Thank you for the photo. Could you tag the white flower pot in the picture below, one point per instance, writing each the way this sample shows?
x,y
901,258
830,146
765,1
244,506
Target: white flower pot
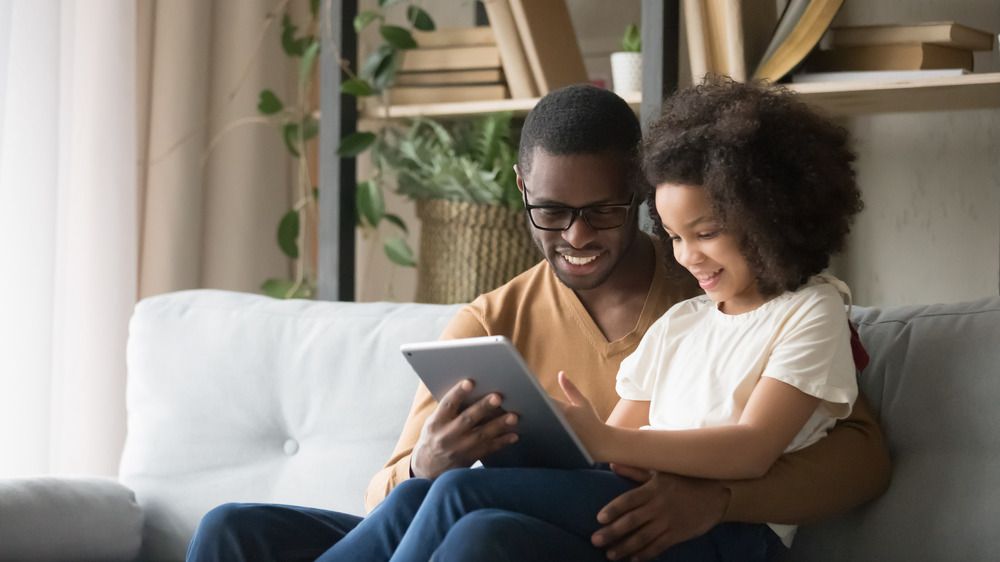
x,y
626,72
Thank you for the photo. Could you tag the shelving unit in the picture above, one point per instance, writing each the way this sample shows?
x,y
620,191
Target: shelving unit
x,y
972,91
660,21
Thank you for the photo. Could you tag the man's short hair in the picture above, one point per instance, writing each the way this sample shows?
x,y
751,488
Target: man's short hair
x,y
579,119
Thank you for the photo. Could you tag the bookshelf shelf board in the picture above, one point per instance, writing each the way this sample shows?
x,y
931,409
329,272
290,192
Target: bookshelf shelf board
x,y
971,91
520,107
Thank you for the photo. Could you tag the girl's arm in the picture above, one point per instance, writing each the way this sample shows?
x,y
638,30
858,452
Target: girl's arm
x,y
774,414
629,414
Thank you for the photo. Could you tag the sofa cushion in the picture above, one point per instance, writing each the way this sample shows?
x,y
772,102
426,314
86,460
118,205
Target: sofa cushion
x,y
934,378
239,397
68,520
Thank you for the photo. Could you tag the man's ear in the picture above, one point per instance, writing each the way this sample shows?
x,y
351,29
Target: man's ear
x,y
520,180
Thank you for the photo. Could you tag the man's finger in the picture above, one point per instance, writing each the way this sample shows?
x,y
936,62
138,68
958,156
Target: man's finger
x,y
640,539
451,402
625,503
640,475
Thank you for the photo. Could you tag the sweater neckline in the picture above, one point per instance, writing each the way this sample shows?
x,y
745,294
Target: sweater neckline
x,y
588,326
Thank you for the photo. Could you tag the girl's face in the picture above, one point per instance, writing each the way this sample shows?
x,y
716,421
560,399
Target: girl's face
x,y
703,247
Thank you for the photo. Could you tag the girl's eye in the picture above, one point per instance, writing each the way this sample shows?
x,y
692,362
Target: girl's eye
x,y
708,235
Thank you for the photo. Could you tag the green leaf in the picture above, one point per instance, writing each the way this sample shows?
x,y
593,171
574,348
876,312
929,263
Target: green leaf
x,y
288,234
380,68
316,193
386,3
356,87
269,103
290,132
632,39
314,8
355,143
399,252
419,18
370,202
310,128
308,58
398,37
277,288
291,47
394,219
362,20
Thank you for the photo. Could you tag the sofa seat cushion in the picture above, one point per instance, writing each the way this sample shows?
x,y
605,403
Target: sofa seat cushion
x,y
239,397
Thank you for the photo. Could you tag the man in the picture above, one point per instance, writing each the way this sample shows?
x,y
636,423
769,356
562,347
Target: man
x,y
582,310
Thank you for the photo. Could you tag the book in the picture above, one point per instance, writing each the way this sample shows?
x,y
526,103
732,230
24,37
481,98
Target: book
x,y
407,95
455,37
800,27
549,42
450,77
946,33
450,58
876,75
905,56
512,56
727,36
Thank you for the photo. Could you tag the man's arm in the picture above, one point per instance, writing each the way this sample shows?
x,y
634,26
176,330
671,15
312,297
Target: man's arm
x,y
837,473
465,324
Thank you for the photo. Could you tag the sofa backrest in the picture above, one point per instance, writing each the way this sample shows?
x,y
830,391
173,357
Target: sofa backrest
x,y
239,397
934,379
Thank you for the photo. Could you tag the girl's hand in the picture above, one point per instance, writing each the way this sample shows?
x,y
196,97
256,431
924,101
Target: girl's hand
x,y
580,414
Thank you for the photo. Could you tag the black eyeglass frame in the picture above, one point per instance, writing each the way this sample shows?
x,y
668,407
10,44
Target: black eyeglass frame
x,y
575,212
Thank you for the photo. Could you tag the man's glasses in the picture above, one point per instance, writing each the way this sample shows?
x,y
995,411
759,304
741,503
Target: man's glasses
x,y
561,217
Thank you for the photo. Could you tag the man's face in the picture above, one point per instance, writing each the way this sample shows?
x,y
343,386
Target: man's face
x,y
583,258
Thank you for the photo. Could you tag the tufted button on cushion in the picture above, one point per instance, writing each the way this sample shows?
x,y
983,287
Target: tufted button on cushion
x,y
291,447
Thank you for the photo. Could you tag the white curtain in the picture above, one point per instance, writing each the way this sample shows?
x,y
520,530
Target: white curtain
x,y
67,232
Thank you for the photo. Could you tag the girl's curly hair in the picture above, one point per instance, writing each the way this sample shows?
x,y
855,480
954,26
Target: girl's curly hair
x,y
779,176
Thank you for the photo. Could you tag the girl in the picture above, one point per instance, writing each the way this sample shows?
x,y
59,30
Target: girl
x,y
754,193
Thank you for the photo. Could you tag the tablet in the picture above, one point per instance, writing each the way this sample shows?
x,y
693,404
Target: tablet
x,y
546,439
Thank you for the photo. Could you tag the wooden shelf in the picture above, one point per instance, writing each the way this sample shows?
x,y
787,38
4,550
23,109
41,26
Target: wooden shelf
x,y
520,107
972,91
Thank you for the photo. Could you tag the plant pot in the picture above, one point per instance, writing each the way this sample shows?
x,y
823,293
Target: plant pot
x,y
468,249
626,72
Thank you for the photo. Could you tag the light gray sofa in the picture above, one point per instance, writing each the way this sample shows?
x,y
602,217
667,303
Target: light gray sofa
x,y
237,397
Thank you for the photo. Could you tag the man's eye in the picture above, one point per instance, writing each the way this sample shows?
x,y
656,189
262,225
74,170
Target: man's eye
x,y
604,210
550,211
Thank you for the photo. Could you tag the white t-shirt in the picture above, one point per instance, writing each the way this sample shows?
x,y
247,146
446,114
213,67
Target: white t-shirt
x,y
698,366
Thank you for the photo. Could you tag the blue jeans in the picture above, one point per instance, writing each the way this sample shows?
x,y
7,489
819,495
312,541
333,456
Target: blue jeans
x,y
518,514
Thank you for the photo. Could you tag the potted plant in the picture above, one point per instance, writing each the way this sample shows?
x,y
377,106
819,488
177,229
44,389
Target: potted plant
x,y
626,65
461,176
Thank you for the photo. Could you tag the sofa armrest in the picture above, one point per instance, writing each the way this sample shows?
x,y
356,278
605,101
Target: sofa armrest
x,y
68,519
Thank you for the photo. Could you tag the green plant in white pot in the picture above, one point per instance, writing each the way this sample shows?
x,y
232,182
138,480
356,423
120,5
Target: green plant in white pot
x,y
461,176
626,65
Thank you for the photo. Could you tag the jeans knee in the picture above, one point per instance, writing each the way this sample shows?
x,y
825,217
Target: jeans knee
x,y
227,516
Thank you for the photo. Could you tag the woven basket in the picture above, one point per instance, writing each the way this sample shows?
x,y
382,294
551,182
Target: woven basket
x,y
468,249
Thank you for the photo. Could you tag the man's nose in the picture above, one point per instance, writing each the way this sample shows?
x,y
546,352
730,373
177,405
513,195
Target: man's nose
x,y
579,234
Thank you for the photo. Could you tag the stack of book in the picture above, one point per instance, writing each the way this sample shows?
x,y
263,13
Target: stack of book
x,y
450,65
896,52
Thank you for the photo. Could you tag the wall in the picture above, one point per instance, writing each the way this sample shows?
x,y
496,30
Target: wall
x,y
931,183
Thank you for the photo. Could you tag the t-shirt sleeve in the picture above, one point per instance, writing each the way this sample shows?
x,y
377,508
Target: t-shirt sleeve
x,y
813,352
637,372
